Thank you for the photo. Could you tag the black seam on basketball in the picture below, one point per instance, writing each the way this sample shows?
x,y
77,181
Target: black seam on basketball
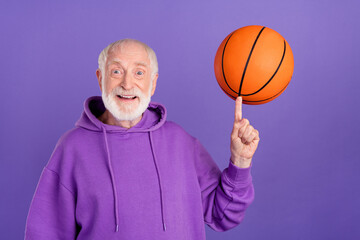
x,y
269,97
227,93
247,62
222,64
272,75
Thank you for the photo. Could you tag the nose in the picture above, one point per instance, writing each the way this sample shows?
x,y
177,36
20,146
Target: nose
x,y
127,82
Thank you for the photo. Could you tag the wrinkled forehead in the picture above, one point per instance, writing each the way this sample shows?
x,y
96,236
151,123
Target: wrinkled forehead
x,y
121,62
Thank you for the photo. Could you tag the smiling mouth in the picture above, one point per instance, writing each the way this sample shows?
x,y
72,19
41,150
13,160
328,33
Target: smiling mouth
x,y
124,97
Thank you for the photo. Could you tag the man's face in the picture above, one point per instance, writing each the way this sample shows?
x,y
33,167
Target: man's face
x,y
126,84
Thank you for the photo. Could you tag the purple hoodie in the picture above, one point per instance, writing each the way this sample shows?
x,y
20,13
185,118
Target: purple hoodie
x,y
152,181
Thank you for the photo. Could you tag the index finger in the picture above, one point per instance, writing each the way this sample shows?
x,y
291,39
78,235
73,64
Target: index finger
x,y
238,109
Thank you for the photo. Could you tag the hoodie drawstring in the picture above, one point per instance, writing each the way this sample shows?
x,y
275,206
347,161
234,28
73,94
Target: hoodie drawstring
x,y
159,179
154,118
113,182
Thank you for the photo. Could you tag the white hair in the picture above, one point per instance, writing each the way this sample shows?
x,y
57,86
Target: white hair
x,y
151,55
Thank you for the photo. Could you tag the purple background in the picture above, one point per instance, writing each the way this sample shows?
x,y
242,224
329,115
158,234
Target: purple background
x,y
306,169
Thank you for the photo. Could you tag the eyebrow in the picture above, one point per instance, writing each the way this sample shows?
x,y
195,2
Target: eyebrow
x,y
137,63
141,64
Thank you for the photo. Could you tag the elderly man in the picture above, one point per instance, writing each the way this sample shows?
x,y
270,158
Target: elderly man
x,y
125,172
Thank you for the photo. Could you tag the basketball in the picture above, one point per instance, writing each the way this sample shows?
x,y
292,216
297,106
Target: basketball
x,y
254,62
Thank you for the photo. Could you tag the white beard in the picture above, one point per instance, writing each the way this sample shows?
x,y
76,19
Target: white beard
x,y
126,111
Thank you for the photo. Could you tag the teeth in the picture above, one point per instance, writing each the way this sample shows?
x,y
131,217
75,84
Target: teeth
x,y
127,96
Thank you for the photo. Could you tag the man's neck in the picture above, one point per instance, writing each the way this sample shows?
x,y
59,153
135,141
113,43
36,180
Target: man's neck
x,y
109,119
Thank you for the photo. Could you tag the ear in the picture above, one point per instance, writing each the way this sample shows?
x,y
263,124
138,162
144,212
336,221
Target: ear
x,y
154,84
99,77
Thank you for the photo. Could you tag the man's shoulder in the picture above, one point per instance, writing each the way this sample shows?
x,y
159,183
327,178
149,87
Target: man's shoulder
x,y
175,129
173,126
74,136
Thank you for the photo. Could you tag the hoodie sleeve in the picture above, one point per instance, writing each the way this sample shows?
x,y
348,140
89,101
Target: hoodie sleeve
x,y
225,195
52,210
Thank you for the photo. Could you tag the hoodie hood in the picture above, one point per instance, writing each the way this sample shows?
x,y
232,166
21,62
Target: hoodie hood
x,y
153,118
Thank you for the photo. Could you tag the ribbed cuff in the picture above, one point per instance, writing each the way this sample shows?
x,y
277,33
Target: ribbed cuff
x,y
238,175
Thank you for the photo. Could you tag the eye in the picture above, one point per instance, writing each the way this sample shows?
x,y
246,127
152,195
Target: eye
x,y
140,73
117,73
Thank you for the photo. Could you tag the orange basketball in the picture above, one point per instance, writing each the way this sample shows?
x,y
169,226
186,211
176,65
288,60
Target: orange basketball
x,y
254,62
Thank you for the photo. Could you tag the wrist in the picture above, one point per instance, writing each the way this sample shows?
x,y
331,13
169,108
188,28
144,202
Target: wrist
x,y
241,162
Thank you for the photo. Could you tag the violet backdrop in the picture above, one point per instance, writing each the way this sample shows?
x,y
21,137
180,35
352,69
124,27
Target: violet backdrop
x,y
306,169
